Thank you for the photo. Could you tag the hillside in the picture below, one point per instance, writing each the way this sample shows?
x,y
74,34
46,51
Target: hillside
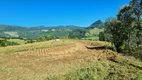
x,y
60,31
66,60
34,32
97,24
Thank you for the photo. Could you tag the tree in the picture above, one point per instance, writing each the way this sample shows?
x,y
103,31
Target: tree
x,y
48,37
78,33
136,6
30,41
126,31
115,29
101,36
3,42
126,18
45,38
41,38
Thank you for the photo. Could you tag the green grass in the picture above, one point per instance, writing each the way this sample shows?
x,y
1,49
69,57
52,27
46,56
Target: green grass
x,y
94,31
94,38
19,41
103,70
140,77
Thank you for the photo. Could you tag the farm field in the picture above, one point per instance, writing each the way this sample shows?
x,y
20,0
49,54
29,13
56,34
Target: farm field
x,y
66,60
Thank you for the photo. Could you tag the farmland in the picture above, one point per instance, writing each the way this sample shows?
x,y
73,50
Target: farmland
x,y
66,60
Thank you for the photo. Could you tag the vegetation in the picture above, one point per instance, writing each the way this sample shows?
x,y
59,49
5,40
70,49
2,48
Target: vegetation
x,y
45,38
19,41
125,31
66,60
33,46
33,54
12,34
78,33
102,36
98,24
93,38
35,32
94,32
2,42
103,70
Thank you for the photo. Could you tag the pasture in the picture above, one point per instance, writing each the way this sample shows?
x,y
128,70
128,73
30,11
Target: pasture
x,y
93,38
12,34
19,41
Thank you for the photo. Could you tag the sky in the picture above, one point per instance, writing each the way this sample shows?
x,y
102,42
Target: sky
x,y
82,13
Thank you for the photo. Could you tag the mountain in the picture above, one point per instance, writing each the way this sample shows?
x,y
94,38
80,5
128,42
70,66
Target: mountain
x,y
34,32
71,27
97,24
12,28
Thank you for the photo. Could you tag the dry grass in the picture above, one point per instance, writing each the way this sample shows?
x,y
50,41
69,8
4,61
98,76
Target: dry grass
x,y
42,63
34,46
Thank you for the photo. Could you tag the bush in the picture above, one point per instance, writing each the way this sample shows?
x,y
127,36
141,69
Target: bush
x,y
101,36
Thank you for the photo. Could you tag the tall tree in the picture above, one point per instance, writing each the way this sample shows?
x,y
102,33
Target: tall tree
x,y
114,28
126,18
136,6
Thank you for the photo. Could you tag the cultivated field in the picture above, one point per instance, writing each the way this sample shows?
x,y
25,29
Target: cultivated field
x,y
66,60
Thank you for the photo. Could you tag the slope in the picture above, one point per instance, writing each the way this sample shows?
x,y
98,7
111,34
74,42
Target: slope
x,y
69,61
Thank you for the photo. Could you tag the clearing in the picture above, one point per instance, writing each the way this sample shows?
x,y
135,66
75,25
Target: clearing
x,y
12,34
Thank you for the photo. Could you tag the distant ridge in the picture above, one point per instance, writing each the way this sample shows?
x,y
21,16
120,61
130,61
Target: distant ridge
x,y
34,32
97,24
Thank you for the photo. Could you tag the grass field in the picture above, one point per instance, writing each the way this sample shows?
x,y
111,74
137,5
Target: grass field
x,y
19,41
33,46
66,60
12,34
94,38
95,32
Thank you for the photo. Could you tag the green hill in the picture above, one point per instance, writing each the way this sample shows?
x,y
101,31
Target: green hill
x,y
34,32
97,24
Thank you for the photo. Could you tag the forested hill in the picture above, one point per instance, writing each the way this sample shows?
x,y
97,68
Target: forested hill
x,y
97,24
19,28
34,32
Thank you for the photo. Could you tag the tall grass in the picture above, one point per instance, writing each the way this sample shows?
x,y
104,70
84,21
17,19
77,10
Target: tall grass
x,y
103,70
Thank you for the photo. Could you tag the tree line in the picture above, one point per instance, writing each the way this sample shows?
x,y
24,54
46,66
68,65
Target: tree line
x,y
125,31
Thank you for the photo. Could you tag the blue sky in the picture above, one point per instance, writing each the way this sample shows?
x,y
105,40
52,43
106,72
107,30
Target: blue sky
x,y
57,12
